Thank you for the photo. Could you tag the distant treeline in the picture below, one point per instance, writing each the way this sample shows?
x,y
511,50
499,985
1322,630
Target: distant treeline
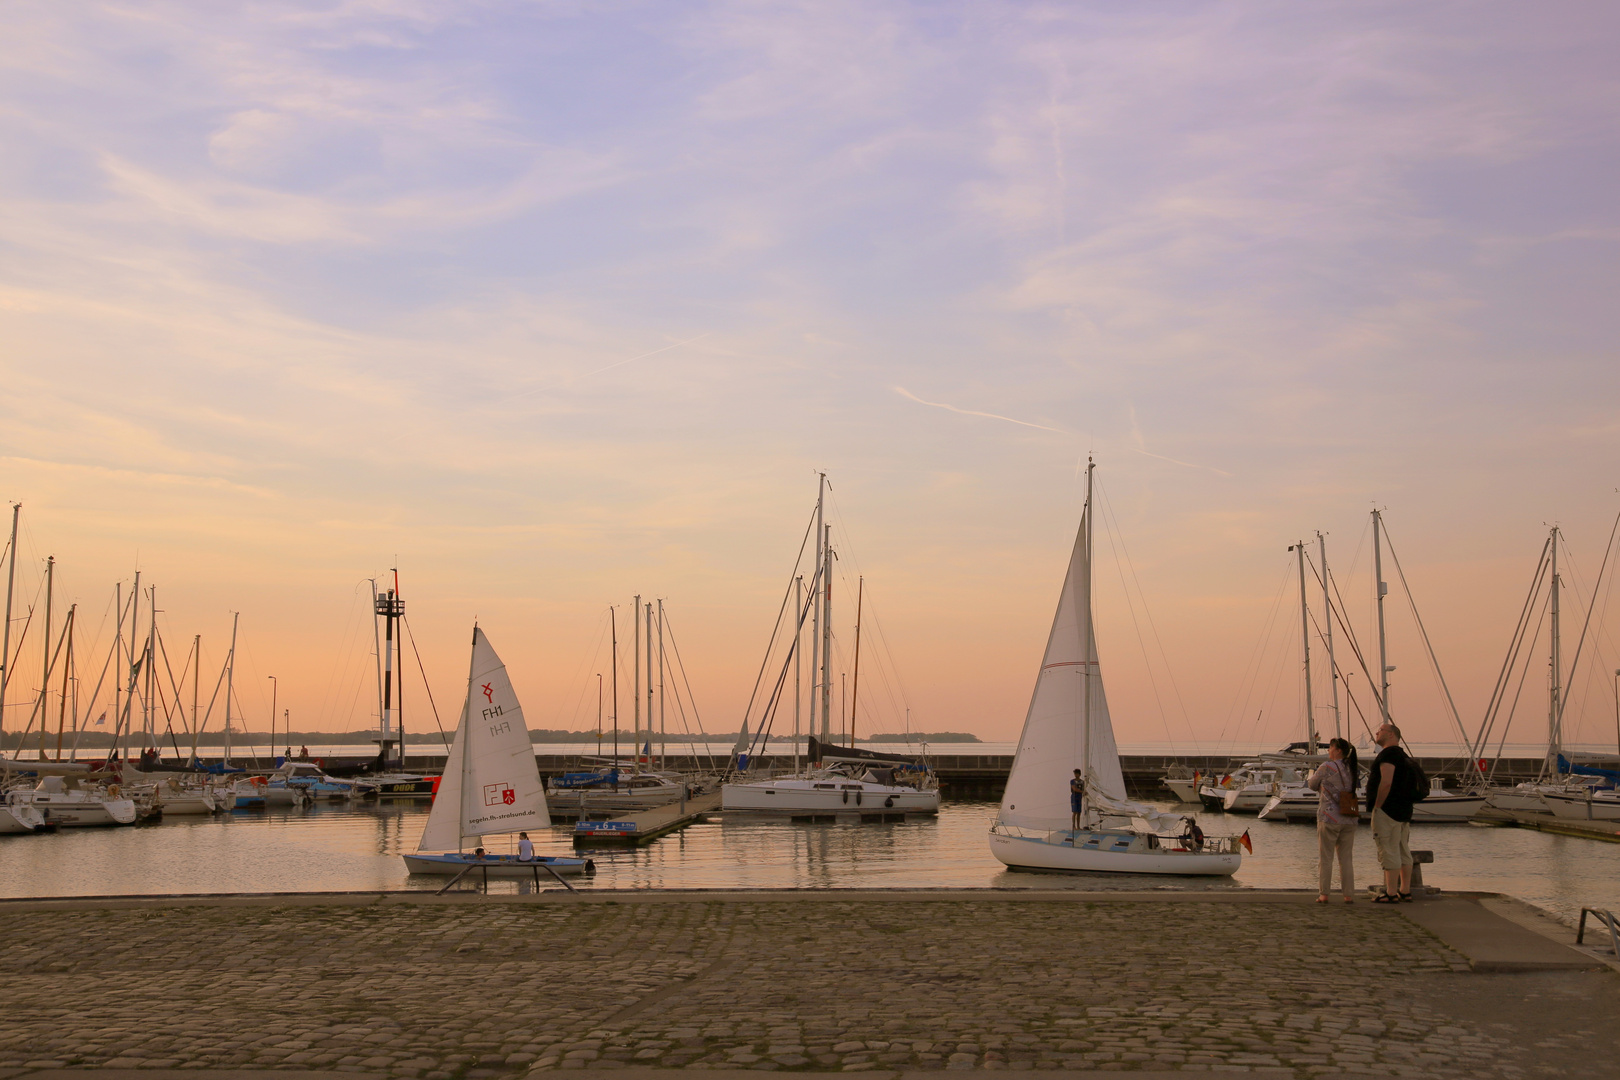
x,y
101,740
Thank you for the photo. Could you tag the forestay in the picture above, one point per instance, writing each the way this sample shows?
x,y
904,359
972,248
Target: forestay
x,y
491,783
1062,729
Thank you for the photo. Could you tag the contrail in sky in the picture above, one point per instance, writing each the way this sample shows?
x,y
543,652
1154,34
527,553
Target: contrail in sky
x,y
903,392
608,367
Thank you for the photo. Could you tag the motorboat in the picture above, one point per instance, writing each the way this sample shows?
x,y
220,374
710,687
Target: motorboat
x,y
617,787
835,789
1068,731
72,805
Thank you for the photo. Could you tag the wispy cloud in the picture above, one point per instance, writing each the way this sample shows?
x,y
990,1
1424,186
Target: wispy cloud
x,y
903,392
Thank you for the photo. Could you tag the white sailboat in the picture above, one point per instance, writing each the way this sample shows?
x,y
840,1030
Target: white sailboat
x,y
1068,728
491,784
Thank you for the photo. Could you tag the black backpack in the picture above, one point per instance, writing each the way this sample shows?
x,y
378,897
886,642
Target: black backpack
x,y
1420,782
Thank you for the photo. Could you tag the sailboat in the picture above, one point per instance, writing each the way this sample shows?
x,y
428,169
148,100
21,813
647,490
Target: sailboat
x,y
491,784
1068,728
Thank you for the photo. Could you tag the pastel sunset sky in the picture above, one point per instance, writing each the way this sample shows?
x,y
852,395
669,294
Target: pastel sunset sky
x,y
549,304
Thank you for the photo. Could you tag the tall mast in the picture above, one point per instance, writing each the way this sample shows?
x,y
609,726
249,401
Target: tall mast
x,y
67,666
1327,618
230,682
1085,657
815,614
663,732
613,623
1305,643
148,719
117,658
635,689
196,675
390,607
45,680
376,648
1556,665
1380,590
647,625
826,633
5,650
798,657
855,691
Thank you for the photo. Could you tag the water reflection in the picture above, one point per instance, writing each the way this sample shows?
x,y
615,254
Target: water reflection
x,y
343,847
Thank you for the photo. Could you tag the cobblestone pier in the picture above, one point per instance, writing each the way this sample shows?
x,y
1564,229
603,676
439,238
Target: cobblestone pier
x,y
915,982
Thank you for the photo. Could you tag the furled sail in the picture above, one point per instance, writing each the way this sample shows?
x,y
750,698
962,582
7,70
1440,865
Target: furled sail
x,y
1061,733
491,783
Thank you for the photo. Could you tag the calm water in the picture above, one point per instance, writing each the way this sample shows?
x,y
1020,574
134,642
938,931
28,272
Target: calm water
x,y
337,847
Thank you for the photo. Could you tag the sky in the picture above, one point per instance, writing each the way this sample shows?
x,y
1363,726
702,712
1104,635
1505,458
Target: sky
x,y
552,304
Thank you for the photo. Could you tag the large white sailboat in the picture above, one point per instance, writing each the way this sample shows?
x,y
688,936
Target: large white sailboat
x,y
1068,728
491,785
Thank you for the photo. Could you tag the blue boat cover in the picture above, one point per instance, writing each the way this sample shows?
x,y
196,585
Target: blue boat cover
x,y
1567,766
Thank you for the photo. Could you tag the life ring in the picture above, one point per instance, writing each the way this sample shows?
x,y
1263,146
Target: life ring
x,y
114,791
259,781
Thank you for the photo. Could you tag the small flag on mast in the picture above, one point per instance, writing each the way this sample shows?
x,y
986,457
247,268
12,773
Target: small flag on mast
x,y
1244,840
101,721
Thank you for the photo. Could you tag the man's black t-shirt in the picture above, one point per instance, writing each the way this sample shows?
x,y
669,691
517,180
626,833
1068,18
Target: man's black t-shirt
x,y
1398,804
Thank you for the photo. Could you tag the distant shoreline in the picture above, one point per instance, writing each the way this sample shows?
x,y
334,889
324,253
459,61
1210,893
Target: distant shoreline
x,y
97,740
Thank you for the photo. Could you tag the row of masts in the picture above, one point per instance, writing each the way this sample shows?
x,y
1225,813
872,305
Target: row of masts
x,y
132,661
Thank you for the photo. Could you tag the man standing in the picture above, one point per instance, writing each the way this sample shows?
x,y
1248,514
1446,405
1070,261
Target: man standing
x,y
1077,798
1389,797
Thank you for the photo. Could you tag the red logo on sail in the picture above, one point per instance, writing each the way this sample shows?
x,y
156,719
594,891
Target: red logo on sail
x,y
497,794
489,695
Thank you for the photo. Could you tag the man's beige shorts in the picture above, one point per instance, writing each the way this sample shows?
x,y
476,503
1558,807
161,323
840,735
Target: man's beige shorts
x,y
1394,841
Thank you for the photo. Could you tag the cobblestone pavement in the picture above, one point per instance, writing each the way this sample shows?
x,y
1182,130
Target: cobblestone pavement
x,y
496,988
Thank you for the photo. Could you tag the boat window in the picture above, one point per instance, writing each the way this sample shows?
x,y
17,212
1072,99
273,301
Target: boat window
x,y
830,787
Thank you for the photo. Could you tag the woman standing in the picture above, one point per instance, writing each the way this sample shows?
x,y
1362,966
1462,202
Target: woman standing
x,y
1337,815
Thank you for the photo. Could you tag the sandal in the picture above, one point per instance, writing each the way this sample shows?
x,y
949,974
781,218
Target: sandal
x,y
1321,899
1349,899
1406,897
1387,898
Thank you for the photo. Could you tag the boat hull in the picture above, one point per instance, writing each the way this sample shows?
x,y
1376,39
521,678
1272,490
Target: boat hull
x,y
1518,802
1030,853
789,798
1450,809
84,813
22,819
1581,808
497,866
1184,790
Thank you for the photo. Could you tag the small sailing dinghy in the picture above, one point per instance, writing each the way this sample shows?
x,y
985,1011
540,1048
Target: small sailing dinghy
x,y
1068,729
491,785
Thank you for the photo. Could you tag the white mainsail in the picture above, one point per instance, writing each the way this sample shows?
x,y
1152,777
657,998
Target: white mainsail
x,y
1063,731
491,783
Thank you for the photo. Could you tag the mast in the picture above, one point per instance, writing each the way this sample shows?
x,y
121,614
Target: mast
x,y
647,628
230,682
148,720
399,697
1380,590
1305,643
5,650
826,633
663,732
815,615
45,656
1327,618
613,623
196,675
635,689
117,657
67,665
855,691
390,607
1555,664
1085,657
798,658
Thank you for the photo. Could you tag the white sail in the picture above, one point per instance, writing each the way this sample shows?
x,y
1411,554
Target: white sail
x,y
491,783
1062,731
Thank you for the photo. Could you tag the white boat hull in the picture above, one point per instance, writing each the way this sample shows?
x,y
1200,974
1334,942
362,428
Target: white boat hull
x,y
186,804
1580,808
496,866
1031,853
1518,802
1184,790
1249,800
83,812
805,797
1448,808
20,819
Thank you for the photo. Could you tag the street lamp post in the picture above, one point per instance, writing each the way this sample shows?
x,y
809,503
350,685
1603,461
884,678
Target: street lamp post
x,y
274,686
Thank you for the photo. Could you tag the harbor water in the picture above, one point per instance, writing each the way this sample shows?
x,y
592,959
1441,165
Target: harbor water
x,y
340,847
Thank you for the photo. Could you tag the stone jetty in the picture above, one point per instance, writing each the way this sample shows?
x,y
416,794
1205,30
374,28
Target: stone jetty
x,y
406,985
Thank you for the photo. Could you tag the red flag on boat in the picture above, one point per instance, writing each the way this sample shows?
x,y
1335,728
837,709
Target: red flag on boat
x,y
1244,840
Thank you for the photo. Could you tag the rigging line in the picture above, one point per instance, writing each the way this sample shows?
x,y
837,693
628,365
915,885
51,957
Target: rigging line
x,y
1577,587
583,672
761,736
1504,675
1579,645
1524,674
1434,662
1141,643
1153,625
1249,681
776,628
680,665
1355,648
403,621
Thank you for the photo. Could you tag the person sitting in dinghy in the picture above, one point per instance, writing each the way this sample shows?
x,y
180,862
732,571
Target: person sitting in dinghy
x,y
1193,837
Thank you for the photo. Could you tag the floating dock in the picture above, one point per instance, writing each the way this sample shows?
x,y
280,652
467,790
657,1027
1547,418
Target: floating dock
x,y
644,826
1590,830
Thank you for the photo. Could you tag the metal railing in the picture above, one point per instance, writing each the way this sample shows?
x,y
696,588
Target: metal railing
x,y
1605,917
